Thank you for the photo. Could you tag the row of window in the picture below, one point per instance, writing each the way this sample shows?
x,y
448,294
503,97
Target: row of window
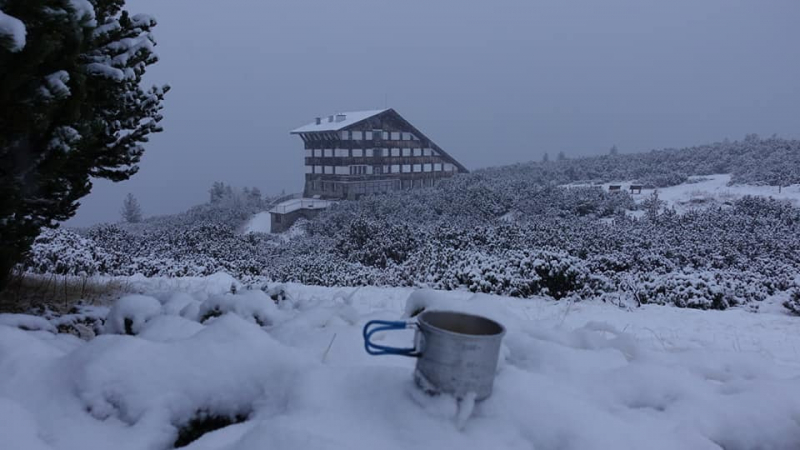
x,y
364,136
377,170
367,187
370,187
369,152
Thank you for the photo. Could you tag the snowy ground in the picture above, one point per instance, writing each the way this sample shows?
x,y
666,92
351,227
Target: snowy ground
x,y
571,376
713,190
707,191
260,223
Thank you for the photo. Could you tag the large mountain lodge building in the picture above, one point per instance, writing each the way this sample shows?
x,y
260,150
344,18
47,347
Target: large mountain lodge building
x,y
348,155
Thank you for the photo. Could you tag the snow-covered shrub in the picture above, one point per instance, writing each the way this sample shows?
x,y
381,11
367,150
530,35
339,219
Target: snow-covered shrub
x,y
793,303
252,305
65,252
700,290
129,314
377,244
83,321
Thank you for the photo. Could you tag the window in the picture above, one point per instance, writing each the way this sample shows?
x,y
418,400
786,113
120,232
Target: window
x,y
386,169
407,136
317,169
318,152
427,152
385,135
427,168
344,135
309,169
395,135
358,136
377,170
328,152
342,152
309,153
377,134
406,152
434,152
329,169
395,152
406,168
357,152
417,167
395,168
417,152
358,170
449,167
369,153
368,135
341,170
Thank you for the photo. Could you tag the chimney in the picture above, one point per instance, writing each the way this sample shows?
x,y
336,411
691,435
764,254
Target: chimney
x,y
330,118
318,120
340,117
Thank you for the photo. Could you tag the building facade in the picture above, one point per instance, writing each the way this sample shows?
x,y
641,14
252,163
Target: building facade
x,y
352,154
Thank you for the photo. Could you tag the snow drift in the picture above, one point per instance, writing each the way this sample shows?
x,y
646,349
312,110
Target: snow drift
x,y
571,376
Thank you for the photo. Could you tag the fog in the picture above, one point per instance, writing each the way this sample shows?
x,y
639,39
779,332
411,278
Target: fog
x,y
492,83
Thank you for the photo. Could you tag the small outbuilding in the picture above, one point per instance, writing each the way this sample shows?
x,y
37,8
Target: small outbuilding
x,y
285,214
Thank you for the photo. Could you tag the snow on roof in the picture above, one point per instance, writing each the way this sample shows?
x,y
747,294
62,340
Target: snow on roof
x,y
299,203
332,125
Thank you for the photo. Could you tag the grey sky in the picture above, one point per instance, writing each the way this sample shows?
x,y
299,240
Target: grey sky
x,y
492,82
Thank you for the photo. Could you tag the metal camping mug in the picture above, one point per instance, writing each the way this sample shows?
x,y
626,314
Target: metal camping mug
x,y
456,353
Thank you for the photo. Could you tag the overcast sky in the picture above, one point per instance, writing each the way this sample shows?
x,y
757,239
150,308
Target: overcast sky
x,y
492,82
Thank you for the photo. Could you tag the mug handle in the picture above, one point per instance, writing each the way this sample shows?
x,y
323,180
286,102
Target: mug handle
x,y
374,326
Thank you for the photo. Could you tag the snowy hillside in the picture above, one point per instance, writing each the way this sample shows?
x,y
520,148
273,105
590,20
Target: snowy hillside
x,y
294,374
703,243
718,190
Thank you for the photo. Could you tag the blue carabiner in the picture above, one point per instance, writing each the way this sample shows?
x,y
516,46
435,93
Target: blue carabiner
x,y
385,325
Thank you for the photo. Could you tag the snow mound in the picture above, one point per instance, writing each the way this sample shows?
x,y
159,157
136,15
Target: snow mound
x,y
129,314
254,306
27,322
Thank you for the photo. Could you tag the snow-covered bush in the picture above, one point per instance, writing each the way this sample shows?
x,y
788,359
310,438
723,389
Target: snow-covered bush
x,y
65,252
254,306
700,290
130,313
793,303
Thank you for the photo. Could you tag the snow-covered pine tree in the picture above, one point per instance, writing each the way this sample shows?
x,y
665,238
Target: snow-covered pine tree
x,y
652,206
561,156
71,108
614,151
254,197
217,192
131,211
546,157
